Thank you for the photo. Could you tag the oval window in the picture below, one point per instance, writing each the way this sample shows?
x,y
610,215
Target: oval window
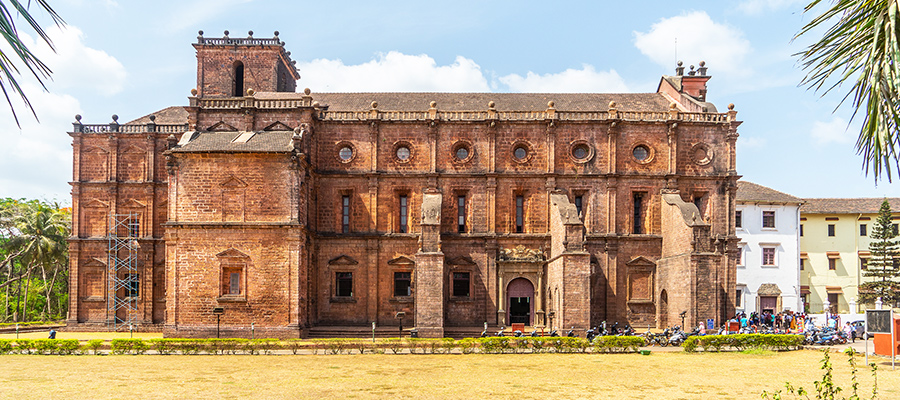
x,y
520,153
462,153
641,153
403,153
346,153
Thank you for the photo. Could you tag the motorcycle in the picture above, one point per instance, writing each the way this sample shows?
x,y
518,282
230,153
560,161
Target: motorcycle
x,y
571,333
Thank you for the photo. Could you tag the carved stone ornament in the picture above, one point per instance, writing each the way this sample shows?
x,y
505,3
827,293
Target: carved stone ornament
x,y
520,253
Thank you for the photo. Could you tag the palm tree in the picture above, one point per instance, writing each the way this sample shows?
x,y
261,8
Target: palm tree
x,y
8,63
861,45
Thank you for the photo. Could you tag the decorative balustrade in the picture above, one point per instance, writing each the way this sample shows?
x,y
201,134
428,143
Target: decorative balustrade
x,y
659,116
143,128
249,41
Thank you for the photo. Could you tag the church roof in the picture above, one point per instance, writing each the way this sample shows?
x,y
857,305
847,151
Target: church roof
x,y
753,193
848,206
479,101
237,142
167,116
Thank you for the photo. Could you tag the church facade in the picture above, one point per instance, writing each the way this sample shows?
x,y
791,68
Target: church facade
x,y
258,208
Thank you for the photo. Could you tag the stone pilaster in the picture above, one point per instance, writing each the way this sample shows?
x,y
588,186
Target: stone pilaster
x,y
429,275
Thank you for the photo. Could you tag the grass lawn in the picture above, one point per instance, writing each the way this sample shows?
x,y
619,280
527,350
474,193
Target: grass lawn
x,y
667,376
83,335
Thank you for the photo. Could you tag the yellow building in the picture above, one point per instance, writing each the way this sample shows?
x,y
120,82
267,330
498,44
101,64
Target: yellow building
x,y
834,246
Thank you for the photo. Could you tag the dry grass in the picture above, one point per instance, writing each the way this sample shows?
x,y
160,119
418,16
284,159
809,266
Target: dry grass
x,y
667,376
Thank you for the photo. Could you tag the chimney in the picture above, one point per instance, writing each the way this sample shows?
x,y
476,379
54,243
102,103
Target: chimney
x,y
694,83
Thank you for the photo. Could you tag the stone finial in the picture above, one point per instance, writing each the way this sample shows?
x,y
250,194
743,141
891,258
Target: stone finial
x,y
307,91
672,105
374,105
491,104
194,92
78,117
288,53
171,140
692,72
226,33
315,104
731,106
251,92
276,34
152,118
679,70
612,104
433,104
702,69
115,118
551,104
200,33
250,34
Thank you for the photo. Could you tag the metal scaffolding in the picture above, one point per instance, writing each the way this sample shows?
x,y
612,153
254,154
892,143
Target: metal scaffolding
x,y
123,281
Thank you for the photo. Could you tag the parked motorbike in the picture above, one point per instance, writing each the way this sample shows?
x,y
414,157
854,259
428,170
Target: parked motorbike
x,y
571,333
500,332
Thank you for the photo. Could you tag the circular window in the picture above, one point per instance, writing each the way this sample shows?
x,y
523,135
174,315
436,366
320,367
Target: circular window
x,y
641,153
403,153
461,152
580,151
520,153
346,153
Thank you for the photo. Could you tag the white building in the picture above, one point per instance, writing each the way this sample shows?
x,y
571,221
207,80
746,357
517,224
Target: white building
x,y
768,271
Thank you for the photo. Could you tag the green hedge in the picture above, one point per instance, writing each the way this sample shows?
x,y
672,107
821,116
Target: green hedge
x,y
740,342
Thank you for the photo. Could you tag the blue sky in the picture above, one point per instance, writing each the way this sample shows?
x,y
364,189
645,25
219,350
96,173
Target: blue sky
x,y
133,58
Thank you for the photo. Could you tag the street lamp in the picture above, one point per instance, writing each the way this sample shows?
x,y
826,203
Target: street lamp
x,y
683,313
218,311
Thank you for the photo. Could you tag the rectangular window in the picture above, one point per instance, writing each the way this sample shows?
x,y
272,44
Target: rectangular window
x,y
343,284
896,228
802,261
520,214
768,255
461,214
864,263
830,229
638,204
740,260
737,219
768,219
738,298
232,282
862,230
460,284
402,284
832,264
345,214
579,203
134,227
133,285
801,229
404,214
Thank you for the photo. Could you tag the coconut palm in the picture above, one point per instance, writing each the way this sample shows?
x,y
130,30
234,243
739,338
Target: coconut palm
x,y
861,46
19,53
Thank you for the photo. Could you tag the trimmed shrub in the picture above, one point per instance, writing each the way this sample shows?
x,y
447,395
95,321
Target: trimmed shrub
x,y
468,345
45,346
94,345
294,345
25,346
742,342
617,344
394,344
6,346
67,346
129,346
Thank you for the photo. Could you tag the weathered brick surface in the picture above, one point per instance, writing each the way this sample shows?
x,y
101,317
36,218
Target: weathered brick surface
x,y
280,213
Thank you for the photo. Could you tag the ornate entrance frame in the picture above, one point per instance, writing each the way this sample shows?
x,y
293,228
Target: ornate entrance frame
x,y
521,262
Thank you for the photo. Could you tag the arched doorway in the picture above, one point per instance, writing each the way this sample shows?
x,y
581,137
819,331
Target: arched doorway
x,y
663,310
520,293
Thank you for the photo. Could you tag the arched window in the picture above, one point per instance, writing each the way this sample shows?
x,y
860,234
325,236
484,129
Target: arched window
x,y
238,79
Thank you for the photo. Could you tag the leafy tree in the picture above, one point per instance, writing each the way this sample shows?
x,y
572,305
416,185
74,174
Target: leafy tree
x,y
21,54
861,46
882,265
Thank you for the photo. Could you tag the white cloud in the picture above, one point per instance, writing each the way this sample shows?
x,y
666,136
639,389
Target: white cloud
x,y
834,131
586,79
698,38
396,72
76,66
759,7
36,160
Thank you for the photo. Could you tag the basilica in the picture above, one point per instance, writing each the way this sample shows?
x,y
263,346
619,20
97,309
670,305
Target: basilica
x,y
258,208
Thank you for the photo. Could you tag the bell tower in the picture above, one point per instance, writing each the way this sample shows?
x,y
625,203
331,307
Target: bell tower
x,y
228,67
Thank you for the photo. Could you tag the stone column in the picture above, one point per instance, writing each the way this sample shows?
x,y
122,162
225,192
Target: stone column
x,y
429,278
